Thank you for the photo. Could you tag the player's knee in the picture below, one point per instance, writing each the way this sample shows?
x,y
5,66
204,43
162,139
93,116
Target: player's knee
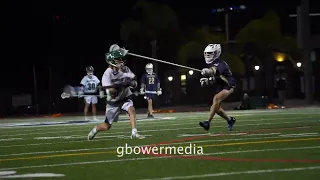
x,y
131,110
216,100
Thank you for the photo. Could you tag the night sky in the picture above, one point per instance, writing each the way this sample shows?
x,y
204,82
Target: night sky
x,y
71,35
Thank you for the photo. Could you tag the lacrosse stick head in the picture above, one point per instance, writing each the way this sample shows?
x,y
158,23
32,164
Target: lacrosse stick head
x,y
65,95
114,47
67,89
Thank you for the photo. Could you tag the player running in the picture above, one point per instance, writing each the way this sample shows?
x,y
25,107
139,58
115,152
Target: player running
x,y
91,85
150,86
117,80
218,72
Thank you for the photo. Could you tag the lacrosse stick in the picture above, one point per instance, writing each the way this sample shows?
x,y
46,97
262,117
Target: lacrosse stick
x,y
158,60
65,95
136,93
74,92
116,47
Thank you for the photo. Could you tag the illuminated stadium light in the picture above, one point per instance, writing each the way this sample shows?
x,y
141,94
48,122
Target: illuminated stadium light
x,y
280,57
299,64
257,68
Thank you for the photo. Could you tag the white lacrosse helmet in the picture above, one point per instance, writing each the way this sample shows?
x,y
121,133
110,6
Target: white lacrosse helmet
x,y
212,52
149,68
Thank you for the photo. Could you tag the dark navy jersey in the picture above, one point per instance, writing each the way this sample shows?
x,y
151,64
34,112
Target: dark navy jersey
x,y
223,74
151,82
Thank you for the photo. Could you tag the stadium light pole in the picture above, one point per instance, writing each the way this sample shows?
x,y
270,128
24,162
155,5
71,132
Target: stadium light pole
x,y
226,11
35,90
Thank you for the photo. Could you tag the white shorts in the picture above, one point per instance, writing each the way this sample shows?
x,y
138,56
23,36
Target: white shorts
x,y
91,99
113,111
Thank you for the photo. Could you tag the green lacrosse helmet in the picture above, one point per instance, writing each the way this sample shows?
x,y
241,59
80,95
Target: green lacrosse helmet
x,y
115,58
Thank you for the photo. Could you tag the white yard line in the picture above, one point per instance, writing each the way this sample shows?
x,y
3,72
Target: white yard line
x,y
165,125
309,111
237,173
121,134
148,158
162,119
177,143
266,150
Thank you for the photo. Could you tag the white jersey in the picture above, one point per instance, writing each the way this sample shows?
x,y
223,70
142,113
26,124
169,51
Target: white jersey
x,y
90,84
110,79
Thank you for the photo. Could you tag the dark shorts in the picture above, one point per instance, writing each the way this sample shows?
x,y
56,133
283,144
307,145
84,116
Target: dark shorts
x,y
149,96
220,88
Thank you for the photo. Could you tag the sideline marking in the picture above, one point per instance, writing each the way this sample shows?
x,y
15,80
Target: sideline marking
x,y
57,155
32,175
11,139
6,173
237,173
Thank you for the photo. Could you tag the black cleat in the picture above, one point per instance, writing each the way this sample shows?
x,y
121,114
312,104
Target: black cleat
x,y
231,123
205,125
150,116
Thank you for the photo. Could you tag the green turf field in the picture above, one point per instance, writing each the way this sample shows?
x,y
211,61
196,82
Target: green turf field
x,y
264,145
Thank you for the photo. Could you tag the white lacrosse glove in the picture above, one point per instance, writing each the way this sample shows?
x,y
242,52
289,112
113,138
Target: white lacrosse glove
x,y
142,91
133,84
204,81
208,71
125,69
159,92
80,93
212,80
101,94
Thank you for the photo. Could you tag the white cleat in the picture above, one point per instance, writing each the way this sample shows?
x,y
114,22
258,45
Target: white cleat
x,y
137,136
95,118
91,135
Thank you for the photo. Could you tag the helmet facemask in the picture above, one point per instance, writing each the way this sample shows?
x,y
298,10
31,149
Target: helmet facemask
x,y
149,68
90,74
116,60
89,71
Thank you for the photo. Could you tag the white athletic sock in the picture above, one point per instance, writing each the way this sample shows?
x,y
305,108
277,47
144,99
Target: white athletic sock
x,y
134,131
94,130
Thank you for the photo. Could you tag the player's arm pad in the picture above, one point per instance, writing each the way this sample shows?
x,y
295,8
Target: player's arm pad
x,y
159,87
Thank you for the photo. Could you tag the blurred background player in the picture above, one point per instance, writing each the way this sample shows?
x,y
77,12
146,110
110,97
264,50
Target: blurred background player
x,y
91,85
117,80
150,86
218,72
